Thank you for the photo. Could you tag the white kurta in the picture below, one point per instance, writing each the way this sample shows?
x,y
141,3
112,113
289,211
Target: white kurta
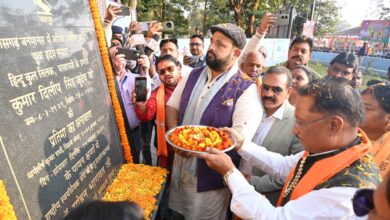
x,y
214,203
327,203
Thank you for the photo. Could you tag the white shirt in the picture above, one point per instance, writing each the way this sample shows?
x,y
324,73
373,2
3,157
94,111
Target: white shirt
x,y
253,45
185,70
327,203
266,124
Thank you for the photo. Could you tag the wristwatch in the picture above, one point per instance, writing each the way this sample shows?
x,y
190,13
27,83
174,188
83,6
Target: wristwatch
x,y
227,174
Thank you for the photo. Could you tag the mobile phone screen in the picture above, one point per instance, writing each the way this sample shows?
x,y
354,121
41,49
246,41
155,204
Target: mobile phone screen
x,y
140,89
125,11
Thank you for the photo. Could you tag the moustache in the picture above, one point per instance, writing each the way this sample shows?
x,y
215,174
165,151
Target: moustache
x,y
268,98
297,57
209,52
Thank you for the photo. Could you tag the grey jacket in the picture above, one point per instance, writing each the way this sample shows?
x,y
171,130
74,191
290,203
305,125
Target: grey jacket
x,y
279,139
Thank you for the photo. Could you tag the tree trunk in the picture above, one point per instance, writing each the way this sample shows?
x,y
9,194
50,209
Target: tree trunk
x,y
254,6
237,7
251,25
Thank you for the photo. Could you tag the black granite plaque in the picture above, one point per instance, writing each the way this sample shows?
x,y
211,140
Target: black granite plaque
x,y
59,144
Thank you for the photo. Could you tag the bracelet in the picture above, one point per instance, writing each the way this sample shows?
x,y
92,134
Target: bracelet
x,y
227,174
260,35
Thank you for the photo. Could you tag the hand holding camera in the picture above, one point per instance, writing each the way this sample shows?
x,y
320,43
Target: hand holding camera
x,y
187,60
154,28
144,63
267,22
112,12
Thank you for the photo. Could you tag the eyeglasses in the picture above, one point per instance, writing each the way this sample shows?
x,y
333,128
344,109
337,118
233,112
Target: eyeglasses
x,y
195,44
363,202
301,125
168,69
275,89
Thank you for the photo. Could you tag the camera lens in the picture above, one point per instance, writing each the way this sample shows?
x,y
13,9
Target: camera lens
x,y
168,24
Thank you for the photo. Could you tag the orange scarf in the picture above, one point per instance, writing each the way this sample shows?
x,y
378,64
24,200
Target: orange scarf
x,y
259,83
326,168
381,152
162,149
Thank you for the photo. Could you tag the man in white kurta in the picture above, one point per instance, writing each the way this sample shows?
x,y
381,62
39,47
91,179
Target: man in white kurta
x,y
184,197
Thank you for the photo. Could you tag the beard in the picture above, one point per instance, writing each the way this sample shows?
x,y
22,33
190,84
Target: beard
x,y
216,64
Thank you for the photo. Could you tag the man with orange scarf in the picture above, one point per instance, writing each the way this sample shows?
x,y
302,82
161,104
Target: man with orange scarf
x,y
320,181
168,69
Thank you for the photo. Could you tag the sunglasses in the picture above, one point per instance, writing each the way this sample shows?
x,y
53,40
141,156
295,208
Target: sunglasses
x,y
275,89
168,69
362,202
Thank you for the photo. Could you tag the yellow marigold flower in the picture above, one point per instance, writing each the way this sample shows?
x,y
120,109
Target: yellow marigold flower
x,y
6,209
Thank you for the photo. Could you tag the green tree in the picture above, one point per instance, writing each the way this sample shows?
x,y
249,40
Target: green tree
x,y
326,17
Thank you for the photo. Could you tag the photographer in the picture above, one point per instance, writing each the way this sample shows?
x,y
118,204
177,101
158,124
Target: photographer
x,y
197,59
125,81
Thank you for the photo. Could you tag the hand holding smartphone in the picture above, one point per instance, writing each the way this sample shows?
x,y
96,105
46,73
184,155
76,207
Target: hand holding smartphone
x,y
130,54
141,91
125,11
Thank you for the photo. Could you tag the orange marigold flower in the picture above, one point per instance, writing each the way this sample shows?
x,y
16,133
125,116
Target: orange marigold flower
x,y
138,183
110,80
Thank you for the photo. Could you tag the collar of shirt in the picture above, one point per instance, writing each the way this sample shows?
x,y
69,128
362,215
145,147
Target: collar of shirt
x,y
278,114
202,58
233,70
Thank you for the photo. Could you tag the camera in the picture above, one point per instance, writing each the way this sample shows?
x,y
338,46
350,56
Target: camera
x,y
168,26
130,54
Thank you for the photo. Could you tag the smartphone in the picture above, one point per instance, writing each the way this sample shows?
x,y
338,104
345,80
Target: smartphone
x,y
130,54
141,91
125,11
281,19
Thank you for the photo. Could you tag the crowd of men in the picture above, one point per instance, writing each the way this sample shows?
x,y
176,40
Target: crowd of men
x,y
306,144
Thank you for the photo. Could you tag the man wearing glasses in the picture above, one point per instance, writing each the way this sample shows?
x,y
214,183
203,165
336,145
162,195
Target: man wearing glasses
x,y
197,59
319,182
168,68
274,132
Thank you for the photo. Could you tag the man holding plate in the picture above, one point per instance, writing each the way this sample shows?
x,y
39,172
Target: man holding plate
x,y
319,182
216,95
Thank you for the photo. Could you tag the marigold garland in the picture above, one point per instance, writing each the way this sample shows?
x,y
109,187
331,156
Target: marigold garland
x,y
138,183
110,80
6,209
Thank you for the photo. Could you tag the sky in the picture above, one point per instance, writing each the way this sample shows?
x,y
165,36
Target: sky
x,y
354,11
